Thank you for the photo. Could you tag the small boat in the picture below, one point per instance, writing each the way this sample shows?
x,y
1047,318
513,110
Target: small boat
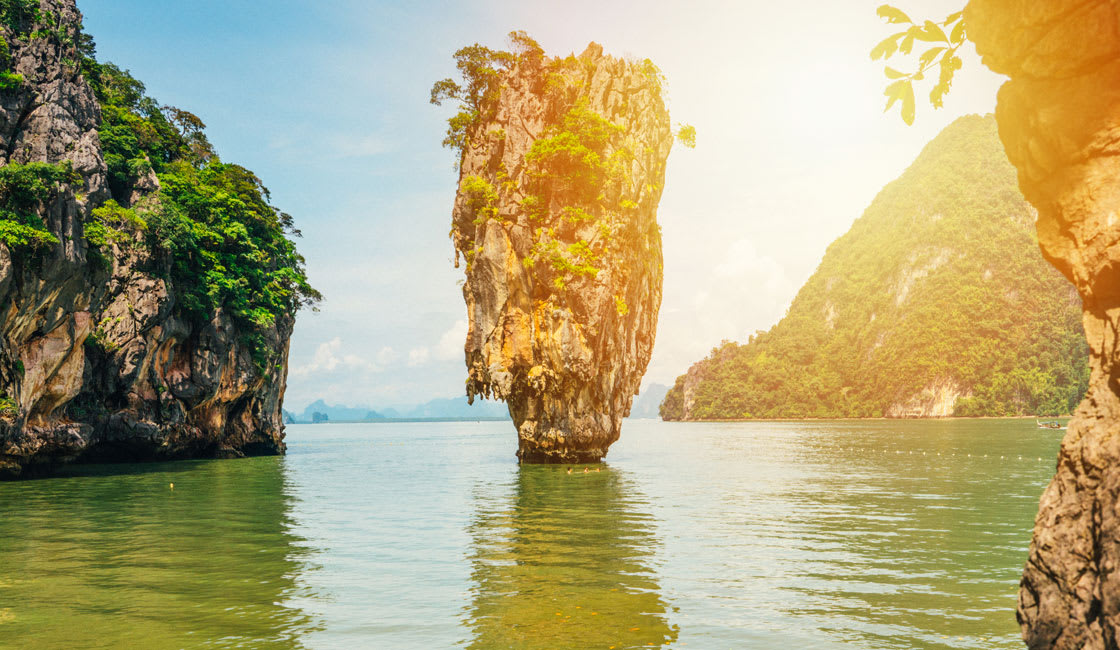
x,y
1053,426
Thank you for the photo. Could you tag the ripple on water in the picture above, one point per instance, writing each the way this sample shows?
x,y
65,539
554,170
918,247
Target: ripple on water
x,y
808,535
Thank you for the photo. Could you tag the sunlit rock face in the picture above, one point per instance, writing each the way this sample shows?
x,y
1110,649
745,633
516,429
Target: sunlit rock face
x,y
1059,119
93,359
556,218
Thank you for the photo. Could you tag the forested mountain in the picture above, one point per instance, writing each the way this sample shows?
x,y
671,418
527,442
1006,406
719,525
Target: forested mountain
x,y
936,302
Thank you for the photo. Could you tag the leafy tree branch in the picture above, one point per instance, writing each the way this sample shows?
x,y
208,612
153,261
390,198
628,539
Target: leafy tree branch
x,y
945,38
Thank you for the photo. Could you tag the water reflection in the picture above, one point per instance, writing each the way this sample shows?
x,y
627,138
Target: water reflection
x,y
564,561
921,534
115,560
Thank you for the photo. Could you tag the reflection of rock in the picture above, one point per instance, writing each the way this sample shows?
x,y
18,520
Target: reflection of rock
x,y
115,558
563,561
564,268
1059,118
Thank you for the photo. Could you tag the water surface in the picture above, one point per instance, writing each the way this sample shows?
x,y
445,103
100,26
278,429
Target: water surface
x,y
877,534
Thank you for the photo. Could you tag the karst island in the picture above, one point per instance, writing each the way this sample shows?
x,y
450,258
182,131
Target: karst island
x,y
561,167
841,371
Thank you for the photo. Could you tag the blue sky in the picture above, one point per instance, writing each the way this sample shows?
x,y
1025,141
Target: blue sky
x,y
327,102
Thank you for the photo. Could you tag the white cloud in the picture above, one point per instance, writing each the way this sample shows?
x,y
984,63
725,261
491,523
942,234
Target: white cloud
x,y
328,357
386,356
360,147
418,356
743,261
450,346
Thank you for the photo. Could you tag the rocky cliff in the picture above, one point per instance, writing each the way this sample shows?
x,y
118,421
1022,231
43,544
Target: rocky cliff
x,y
100,357
562,167
1059,119
935,303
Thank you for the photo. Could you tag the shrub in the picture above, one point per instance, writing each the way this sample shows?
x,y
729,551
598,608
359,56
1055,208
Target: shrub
x,y
23,191
481,198
8,406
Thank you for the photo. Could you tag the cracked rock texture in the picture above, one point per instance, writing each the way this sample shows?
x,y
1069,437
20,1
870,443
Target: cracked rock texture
x,y
155,387
566,350
1059,119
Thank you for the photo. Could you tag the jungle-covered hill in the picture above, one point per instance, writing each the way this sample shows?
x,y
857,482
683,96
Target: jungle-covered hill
x,y
937,302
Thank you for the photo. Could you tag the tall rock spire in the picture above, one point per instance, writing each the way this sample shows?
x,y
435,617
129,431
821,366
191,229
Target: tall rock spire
x,y
562,169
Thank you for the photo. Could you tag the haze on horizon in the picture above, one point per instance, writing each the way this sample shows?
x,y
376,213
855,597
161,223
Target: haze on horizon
x,y
328,105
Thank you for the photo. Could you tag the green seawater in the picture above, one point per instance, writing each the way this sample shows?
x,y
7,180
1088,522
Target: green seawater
x,y
878,534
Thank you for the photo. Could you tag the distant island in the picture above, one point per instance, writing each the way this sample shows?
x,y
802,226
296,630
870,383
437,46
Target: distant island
x,y
446,409
936,303
452,409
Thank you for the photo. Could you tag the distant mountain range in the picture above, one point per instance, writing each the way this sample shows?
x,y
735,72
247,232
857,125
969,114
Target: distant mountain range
x,y
647,403
454,408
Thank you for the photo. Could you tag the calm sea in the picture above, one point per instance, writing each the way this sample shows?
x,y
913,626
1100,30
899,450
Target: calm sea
x,y
880,534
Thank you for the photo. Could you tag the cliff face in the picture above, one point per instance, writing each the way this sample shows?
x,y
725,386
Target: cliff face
x,y
935,303
95,362
1059,119
556,219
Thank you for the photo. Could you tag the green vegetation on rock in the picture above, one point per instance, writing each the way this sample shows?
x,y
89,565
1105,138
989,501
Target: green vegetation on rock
x,y
20,17
23,190
219,241
566,168
937,298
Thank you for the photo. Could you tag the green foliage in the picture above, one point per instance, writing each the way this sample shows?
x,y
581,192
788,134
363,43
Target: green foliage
x,y
226,245
21,236
672,406
575,259
481,198
8,406
686,135
113,215
19,15
112,224
217,238
10,80
570,162
654,74
24,187
24,190
574,215
579,158
939,282
99,340
138,136
479,87
945,39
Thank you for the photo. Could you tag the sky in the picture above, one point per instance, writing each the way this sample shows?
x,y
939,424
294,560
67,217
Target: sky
x,y
327,101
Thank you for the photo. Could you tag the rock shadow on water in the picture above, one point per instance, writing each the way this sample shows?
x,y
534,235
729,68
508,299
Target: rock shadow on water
x,y
127,560
564,560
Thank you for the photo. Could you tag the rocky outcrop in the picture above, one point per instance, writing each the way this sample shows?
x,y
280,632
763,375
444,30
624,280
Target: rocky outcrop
x,y
94,362
556,219
938,400
1059,118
